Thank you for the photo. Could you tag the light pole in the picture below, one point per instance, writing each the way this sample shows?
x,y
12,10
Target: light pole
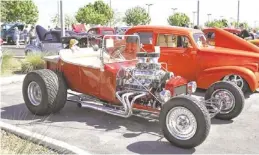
x,y
62,19
198,12
194,12
209,14
238,11
174,9
148,8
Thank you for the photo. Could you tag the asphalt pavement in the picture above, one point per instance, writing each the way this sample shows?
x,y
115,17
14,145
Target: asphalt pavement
x,y
101,133
16,51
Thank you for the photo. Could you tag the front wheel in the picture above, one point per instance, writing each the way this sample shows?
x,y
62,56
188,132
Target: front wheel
x,y
237,80
185,122
229,97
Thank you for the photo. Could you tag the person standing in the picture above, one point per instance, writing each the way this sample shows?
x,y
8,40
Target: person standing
x,y
25,32
17,36
244,33
32,35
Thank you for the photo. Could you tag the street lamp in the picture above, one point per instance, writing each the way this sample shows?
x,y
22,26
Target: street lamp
x,y
209,14
174,9
194,12
238,11
198,12
148,8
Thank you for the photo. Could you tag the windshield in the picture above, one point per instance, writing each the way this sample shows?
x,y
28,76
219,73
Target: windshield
x,y
200,39
119,50
6,26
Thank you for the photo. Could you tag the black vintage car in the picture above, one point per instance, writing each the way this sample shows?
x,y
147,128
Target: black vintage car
x,y
51,42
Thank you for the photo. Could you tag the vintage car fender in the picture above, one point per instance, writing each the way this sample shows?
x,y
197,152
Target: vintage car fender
x,y
211,75
32,48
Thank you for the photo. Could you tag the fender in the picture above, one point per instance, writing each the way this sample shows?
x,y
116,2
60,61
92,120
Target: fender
x,y
211,75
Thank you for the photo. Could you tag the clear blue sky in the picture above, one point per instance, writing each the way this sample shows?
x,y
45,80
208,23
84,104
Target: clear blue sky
x,y
161,9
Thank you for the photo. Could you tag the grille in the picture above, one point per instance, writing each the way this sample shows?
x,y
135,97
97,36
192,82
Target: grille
x,y
180,90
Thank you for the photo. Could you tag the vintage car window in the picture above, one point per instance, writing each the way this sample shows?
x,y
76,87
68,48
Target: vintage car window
x,y
173,41
92,31
200,39
48,37
145,37
107,32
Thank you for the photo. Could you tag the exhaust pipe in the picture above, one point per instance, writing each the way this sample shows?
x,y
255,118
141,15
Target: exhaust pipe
x,y
124,99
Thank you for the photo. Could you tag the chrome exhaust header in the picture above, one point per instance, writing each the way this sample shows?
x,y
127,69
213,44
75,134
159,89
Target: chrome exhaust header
x,y
123,97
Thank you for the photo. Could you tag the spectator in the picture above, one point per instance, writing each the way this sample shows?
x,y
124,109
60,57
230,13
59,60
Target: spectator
x,y
32,35
25,32
196,27
244,33
17,36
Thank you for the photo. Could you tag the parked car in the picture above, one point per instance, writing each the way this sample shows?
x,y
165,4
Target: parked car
x,y
51,42
187,54
210,35
8,35
124,87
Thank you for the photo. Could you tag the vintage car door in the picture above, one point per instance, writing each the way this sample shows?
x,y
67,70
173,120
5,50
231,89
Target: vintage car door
x,y
177,52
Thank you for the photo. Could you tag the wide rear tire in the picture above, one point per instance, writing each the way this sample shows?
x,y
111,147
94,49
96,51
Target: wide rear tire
x,y
234,99
181,114
44,92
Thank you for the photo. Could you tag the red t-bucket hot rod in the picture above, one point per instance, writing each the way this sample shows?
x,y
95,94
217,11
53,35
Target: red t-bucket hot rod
x,y
124,87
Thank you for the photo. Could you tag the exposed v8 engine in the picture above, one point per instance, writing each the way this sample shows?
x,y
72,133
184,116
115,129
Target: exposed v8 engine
x,y
146,76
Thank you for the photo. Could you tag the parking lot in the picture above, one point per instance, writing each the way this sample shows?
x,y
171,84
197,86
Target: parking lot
x,y
16,51
100,133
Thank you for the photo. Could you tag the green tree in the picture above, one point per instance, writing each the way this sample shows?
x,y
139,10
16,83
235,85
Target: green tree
x,y
69,20
217,23
19,11
178,19
136,16
97,13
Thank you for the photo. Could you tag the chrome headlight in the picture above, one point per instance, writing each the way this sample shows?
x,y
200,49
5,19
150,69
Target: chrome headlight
x,y
191,87
165,95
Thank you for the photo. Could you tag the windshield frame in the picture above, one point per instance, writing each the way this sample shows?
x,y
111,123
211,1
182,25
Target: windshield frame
x,y
103,49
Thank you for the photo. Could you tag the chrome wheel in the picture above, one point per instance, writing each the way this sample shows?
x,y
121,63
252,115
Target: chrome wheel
x,y
226,100
34,93
236,79
181,123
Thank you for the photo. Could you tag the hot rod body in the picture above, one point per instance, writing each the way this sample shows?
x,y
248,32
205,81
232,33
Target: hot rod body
x,y
111,82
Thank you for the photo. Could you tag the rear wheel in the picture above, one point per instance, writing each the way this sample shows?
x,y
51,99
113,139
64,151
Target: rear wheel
x,y
185,122
44,92
228,97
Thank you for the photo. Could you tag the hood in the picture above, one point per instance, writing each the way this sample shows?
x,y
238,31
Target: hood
x,y
41,31
228,40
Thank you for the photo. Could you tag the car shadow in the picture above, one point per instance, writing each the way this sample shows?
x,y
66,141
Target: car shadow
x,y
157,147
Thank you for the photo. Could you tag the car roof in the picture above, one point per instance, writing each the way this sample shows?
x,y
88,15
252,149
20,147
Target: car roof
x,y
167,28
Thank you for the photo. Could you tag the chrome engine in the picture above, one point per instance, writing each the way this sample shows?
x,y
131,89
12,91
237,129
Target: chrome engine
x,y
147,76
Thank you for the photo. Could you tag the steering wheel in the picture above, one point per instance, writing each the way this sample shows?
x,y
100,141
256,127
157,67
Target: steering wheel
x,y
117,51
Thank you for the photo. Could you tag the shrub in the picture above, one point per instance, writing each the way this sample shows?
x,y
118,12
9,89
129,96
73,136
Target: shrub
x,y
32,62
9,63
